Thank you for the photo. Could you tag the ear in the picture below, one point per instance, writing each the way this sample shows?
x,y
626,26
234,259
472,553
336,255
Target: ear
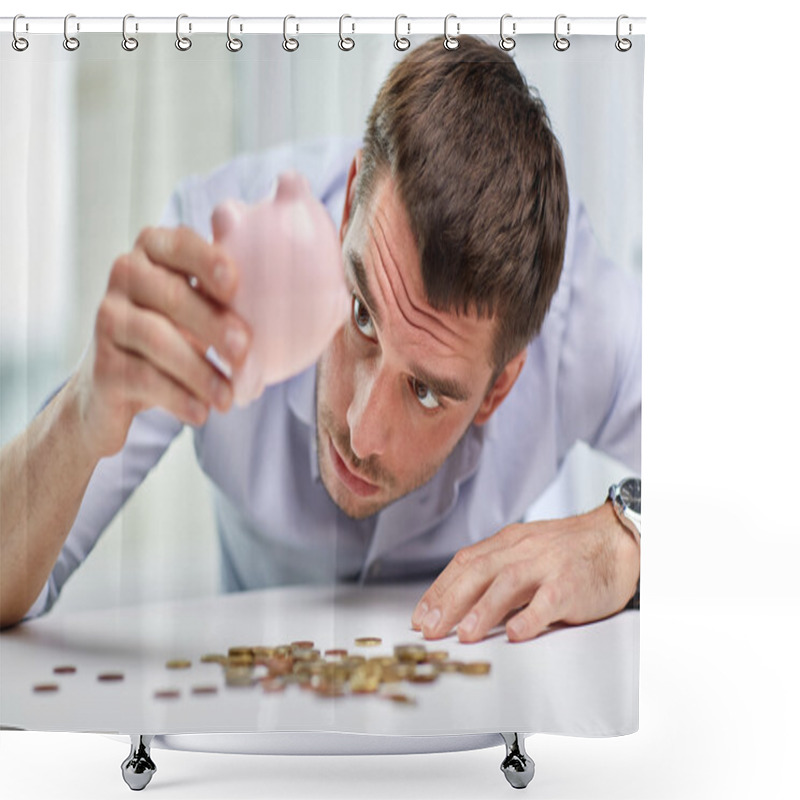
x,y
350,194
501,387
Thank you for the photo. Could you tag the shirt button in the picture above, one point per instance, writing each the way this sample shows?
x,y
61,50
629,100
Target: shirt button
x,y
375,569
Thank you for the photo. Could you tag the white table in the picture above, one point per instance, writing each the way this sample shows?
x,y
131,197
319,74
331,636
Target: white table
x,y
579,681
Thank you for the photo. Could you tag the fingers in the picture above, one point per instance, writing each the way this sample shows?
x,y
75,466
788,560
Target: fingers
x,y
184,251
151,337
460,568
207,323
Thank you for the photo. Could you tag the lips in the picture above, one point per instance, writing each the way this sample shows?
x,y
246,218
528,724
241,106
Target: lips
x,y
352,481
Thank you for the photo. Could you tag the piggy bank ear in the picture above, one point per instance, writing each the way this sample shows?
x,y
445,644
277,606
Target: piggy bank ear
x,y
225,218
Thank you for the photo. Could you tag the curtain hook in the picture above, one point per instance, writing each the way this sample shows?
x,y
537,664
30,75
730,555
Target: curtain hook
x,y
289,45
18,43
623,45
451,42
70,42
507,42
128,42
233,44
183,43
401,43
346,43
561,43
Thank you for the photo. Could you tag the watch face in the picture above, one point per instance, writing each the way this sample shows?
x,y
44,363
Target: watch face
x,y
630,493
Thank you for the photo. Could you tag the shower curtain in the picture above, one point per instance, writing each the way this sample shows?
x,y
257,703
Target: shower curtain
x,y
258,568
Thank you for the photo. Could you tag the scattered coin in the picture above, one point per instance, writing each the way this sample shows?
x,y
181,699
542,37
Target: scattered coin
x,y
65,670
45,687
399,697
368,641
179,663
167,694
303,645
110,676
204,689
475,668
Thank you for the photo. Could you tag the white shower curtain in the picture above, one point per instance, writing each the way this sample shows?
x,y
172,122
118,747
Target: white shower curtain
x,y
94,144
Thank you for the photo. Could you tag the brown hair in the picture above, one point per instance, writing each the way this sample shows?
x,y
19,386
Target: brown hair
x,y
482,178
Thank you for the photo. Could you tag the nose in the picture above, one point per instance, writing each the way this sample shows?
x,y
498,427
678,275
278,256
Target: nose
x,y
369,414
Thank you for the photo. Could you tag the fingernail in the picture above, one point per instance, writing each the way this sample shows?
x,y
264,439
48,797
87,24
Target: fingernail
x,y
469,623
221,392
223,276
420,614
515,627
432,619
235,342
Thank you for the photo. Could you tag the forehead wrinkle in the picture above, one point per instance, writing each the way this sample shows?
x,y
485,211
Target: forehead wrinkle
x,y
411,308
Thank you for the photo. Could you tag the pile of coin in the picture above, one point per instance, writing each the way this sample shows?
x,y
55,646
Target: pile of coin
x,y
334,673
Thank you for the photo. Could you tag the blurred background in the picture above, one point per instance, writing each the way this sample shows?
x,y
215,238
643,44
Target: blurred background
x,y
94,141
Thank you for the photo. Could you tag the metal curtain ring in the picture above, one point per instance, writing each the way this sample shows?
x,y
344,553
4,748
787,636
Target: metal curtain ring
x,y
70,42
233,44
623,45
401,43
128,42
18,43
183,43
561,43
346,43
507,42
450,42
289,45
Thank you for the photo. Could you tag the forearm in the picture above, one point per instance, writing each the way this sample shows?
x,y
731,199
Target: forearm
x,y
44,473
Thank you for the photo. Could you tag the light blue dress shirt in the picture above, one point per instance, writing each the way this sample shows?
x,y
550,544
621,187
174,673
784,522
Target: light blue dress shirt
x,y
277,524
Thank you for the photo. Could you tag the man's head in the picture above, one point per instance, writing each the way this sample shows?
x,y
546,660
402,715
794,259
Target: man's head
x,y
453,237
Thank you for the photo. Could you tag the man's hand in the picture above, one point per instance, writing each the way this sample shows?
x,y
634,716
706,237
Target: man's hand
x,y
573,570
151,334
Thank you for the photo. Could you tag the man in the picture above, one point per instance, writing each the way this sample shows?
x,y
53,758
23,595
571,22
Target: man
x,y
435,417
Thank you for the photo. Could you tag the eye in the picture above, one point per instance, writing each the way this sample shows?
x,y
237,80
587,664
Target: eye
x,y
362,319
425,396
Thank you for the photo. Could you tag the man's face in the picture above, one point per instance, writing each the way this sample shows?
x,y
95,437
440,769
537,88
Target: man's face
x,y
400,383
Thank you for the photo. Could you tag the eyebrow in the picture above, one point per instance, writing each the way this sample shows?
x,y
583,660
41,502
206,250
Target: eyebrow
x,y
441,387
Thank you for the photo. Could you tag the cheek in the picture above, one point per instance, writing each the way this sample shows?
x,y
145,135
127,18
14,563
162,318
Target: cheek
x,y
335,375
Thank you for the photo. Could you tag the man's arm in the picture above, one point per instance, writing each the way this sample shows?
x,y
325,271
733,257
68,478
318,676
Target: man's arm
x,y
151,334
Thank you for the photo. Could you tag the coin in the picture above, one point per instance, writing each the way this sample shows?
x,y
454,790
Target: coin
x,y
110,676
204,689
167,694
368,641
336,653
64,670
213,658
411,652
45,687
475,668
450,666
303,645
179,663
399,697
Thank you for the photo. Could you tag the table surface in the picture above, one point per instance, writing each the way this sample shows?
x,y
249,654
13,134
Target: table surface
x,y
580,681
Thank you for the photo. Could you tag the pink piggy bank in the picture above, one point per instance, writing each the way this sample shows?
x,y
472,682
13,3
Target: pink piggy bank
x,y
291,290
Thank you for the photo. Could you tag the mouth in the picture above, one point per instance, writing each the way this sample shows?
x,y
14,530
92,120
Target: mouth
x,y
353,482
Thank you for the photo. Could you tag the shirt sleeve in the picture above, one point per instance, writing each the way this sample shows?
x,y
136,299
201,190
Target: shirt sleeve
x,y
113,480
600,363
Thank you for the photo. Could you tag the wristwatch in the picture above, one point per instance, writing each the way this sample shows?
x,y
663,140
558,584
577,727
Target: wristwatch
x,y
626,497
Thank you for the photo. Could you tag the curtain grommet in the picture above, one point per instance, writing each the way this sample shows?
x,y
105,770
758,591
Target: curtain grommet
x,y
450,42
183,43
400,42
345,42
129,43
71,43
19,43
289,44
233,44
561,43
623,45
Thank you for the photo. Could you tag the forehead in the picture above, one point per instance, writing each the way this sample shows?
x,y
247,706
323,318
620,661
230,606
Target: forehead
x,y
382,261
